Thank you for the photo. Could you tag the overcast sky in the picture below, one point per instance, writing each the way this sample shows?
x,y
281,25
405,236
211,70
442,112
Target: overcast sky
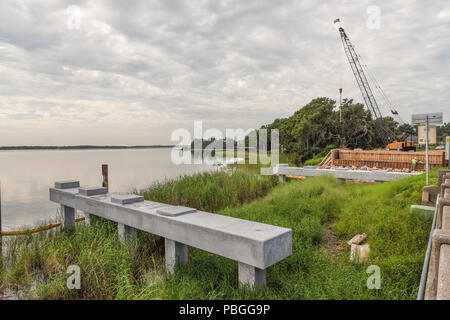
x,y
130,72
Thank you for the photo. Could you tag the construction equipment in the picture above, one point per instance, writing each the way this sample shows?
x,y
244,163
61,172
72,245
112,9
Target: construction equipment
x,y
358,71
401,146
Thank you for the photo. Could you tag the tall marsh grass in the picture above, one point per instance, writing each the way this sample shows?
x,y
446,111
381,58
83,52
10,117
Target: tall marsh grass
x,y
211,191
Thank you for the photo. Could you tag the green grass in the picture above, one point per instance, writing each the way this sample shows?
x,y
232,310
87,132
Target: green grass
x,y
211,191
136,271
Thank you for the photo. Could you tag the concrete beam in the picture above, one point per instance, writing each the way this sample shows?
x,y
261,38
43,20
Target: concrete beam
x,y
343,173
253,243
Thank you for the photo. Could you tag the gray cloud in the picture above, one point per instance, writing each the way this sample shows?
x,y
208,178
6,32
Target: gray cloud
x,y
134,71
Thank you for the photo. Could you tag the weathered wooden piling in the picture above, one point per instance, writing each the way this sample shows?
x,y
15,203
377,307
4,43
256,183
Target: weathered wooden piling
x,y
105,176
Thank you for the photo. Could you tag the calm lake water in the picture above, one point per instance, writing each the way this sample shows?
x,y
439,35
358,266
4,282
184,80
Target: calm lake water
x,y
26,176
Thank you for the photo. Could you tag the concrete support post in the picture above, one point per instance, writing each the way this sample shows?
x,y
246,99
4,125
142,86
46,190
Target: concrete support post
x,y
87,219
176,255
126,233
251,276
282,178
68,217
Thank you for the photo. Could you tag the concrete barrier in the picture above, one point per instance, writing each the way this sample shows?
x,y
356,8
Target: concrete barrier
x,y
255,246
341,173
438,281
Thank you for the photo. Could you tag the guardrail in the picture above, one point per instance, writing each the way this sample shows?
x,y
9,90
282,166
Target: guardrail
x,y
255,246
438,280
426,263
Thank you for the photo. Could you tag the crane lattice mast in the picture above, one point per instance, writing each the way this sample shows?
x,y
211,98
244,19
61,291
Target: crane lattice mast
x,y
360,77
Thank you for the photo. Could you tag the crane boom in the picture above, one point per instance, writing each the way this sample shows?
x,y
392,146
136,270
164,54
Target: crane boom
x,y
360,77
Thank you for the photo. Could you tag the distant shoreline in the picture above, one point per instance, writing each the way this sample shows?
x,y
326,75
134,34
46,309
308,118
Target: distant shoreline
x,y
81,147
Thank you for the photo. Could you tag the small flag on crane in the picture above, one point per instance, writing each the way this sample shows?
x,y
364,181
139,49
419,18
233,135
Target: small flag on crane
x,y
337,20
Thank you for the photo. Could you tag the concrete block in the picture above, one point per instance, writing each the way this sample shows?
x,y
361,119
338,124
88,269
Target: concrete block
x,y
439,238
446,218
443,203
251,276
443,283
67,184
441,174
126,198
125,232
174,211
282,178
424,212
92,191
359,253
444,186
176,255
68,217
357,239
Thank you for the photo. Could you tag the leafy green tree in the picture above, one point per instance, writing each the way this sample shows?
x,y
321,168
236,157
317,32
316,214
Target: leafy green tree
x,y
312,128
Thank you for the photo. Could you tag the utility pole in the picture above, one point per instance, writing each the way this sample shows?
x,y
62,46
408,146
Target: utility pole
x,y
340,104
447,150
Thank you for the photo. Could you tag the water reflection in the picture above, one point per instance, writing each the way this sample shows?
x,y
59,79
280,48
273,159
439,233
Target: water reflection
x,y
26,176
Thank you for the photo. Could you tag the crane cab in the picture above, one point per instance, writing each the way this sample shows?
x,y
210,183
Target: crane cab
x,y
401,146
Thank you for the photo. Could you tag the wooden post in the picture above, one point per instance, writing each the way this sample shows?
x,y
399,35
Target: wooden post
x,y
105,176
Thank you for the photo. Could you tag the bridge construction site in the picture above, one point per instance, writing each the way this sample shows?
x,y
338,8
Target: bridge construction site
x,y
397,161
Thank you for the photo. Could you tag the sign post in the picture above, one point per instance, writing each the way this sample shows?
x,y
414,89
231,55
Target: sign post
x,y
427,119
447,150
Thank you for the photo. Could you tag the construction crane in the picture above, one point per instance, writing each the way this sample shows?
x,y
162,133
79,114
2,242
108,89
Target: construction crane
x,y
358,71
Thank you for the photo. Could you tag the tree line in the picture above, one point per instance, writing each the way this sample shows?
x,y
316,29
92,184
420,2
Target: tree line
x,y
316,127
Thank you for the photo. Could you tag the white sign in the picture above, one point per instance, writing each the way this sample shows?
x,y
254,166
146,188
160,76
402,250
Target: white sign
x,y
447,148
422,134
433,118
